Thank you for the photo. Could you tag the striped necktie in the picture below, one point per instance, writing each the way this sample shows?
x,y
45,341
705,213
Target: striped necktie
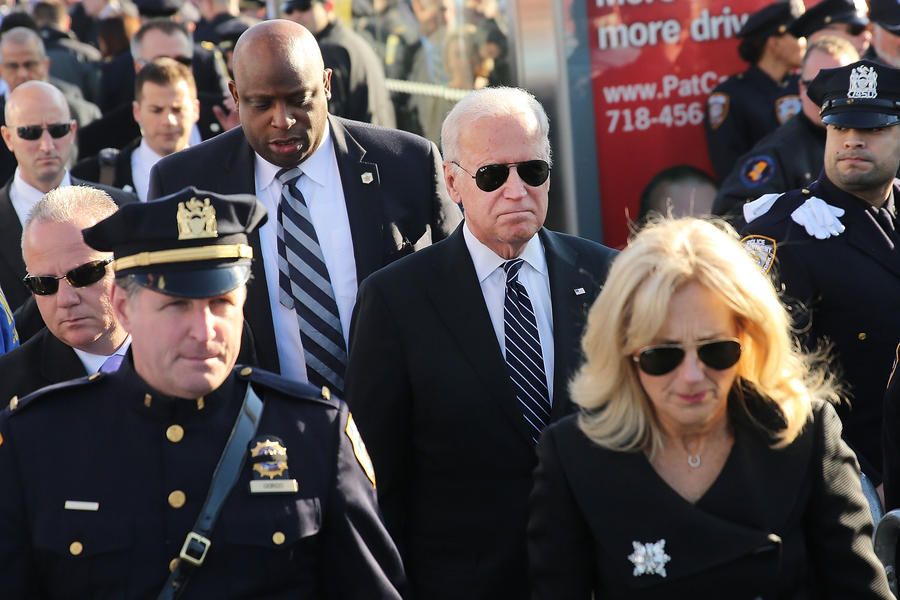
x,y
524,360
305,286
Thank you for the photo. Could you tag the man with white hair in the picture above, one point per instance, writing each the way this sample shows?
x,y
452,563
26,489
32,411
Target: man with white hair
x,y
461,353
71,285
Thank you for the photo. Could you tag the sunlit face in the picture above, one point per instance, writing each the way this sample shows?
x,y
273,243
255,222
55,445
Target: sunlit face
x,y
182,347
789,50
82,317
166,114
156,44
887,46
42,162
694,397
282,99
505,219
861,41
815,62
21,63
860,160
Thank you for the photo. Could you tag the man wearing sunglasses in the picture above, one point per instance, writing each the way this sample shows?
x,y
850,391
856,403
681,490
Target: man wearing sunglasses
x,y
843,18
40,132
183,472
71,285
461,354
346,199
843,285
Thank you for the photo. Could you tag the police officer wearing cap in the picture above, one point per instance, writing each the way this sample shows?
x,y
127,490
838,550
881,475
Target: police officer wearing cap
x,y
843,18
745,107
885,14
181,474
843,285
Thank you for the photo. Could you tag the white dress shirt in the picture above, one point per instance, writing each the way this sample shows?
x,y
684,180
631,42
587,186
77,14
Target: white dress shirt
x,y
24,197
142,160
93,362
533,275
321,187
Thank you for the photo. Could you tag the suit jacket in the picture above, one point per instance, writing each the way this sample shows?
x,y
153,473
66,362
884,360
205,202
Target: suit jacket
x,y
39,362
844,290
12,267
428,387
788,523
89,168
404,205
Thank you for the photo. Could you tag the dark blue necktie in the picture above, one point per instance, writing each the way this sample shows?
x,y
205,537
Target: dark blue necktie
x,y
524,359
305,286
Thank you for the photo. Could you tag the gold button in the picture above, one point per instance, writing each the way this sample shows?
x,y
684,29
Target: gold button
x,y
148,400
861,336
95,376
75,548
14,403
245,372
805,192
278,538
175,433
177,499
172,565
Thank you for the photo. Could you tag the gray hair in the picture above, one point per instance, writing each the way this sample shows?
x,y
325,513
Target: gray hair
x,y
492,102
23,36
71,204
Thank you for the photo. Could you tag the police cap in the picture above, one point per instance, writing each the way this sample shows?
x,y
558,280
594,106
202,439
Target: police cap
x,y
191,244
862,95
886,13
289,6
158,8
774,19
826,13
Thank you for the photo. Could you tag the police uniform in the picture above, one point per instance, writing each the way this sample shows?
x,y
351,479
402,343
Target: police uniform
x,y
746,106
102,479
844,289
788,158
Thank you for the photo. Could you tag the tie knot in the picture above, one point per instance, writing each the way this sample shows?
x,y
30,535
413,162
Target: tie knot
x,y
512,268
111,364
288,176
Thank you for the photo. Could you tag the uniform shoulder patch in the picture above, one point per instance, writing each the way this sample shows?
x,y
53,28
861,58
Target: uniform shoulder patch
x,y
294,389
717,109
17,405
762,249
787,107
359,449
757,170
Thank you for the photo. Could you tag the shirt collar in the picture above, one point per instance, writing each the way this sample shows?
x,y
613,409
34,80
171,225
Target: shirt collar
x,y
486,261
316,166
30,190
147,153
92,362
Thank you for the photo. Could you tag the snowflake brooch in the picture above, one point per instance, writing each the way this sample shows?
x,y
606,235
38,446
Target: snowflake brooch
x,y
649,558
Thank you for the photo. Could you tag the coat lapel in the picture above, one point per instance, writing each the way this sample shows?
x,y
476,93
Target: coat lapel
x,y
58,361
10,234
458,300
864,233
572,290
362,189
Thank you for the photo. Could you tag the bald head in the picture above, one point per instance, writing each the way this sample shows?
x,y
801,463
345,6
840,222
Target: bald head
x,y
32,93
281,89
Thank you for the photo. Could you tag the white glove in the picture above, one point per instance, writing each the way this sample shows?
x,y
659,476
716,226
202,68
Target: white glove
x,y
819,218
757,208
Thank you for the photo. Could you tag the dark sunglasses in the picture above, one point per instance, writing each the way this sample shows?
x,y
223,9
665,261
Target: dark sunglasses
x,y
490,177
33,132
855,28
665,358
80,276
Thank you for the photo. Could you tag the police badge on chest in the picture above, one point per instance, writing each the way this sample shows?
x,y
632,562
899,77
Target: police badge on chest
x,y
268,459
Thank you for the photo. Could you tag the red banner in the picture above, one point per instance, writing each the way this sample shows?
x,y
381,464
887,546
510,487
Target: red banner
x,y
654,62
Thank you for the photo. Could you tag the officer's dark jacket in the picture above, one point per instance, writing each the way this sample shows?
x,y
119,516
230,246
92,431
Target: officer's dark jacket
x,y
788,158
891,437
90,168
776,523
844,290
112,440
754,104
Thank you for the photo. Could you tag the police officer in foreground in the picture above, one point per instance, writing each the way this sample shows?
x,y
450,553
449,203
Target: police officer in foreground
x,y
845,288
749,105
182,472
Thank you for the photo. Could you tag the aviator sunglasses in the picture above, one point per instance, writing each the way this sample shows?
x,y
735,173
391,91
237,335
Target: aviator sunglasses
x,y
80,276
490,177
665,358
33,132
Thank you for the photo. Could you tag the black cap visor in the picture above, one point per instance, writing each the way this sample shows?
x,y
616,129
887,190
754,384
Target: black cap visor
x,y
858,118
193,283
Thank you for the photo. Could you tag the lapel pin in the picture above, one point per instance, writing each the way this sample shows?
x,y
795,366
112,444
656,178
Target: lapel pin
x,y
81,505
579,291
649,558
367,178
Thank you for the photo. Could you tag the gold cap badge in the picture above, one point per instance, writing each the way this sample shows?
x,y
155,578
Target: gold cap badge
x,y
196,220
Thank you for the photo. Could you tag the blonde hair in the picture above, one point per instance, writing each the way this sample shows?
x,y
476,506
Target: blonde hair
x,y
632,308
